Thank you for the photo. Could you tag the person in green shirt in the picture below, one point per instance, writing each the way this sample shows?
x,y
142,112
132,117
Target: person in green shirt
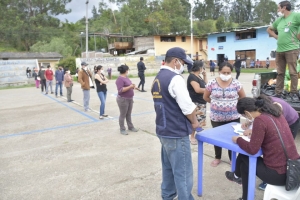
x,y
287,47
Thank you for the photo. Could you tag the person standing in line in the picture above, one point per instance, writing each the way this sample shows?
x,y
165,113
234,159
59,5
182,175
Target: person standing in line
x,y
175,121
59,78
212,67
287,47
223,93
43,78
196,87
49,79
85,79
141,72
109,70
125,99
237,66
272,166
101,81
36,78
267,63
163,62
68,82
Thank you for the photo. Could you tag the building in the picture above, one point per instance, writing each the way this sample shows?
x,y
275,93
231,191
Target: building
x,y
43,59
159,45
251,43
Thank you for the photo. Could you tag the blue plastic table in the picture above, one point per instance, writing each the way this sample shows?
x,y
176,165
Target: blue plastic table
x,y
222,136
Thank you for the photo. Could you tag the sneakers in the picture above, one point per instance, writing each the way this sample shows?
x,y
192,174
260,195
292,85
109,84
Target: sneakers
x,y
52,92
101,117
123,132
143,91
230,176
133,129
104,115
262,186
294,98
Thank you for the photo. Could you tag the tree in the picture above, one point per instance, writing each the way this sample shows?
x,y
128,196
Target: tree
x,y
25,22
56,45
220,24
69,63
265,11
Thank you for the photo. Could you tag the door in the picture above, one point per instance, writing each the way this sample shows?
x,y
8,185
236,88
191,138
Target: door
x,y
220,58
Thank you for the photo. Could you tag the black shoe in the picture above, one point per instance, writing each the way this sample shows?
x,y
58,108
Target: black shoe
x,y
52,92
230,176
240,199
46,93
295,98
143,91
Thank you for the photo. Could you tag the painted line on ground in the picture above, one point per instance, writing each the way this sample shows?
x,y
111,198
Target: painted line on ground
x,y
78,111
46,129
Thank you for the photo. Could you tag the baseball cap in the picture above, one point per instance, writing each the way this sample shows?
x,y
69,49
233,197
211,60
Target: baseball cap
x,y
84,63
178,52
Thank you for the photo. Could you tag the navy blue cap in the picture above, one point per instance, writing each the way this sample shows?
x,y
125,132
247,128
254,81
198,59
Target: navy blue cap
x,y
84,64
178,52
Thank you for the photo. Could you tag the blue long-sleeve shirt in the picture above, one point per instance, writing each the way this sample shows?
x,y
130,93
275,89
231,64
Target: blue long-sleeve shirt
x,y
59,75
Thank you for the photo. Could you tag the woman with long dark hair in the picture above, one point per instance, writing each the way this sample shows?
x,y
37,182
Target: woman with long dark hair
x,y
223,93
101,82
196,86
271,168
125,99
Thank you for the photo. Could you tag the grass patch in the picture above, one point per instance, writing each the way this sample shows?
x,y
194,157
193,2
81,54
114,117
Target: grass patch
x,y
17,86
257,70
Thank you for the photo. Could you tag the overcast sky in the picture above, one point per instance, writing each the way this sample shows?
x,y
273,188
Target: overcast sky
x,y
79,9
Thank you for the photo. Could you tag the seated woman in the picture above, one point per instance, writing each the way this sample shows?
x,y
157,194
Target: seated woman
x,y
271,168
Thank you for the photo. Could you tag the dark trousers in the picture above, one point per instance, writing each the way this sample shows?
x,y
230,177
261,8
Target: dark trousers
x,y
218,150
43,84
142,80
295,127
266,174
238,72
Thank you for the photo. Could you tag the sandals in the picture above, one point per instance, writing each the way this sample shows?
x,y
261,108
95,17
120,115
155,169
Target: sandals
x,y
215,162
194,141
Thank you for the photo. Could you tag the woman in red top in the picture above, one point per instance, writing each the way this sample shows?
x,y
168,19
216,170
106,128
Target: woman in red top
x,y
271,168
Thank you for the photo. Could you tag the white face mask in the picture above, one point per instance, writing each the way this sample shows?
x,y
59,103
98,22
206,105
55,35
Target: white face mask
x,y
279,14
180,70
250,120
225,77
102,71
85,68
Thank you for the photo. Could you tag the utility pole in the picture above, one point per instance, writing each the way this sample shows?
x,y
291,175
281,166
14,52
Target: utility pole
x,y
192,7
86,31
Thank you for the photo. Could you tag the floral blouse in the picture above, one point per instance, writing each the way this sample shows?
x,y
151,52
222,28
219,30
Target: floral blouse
x,y
223,100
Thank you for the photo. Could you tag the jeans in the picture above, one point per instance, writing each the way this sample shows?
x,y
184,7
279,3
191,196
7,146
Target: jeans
x,y
266,174
102,97
69,92
177,168
86,99
218,150
58,83
125,107
49,83
283,59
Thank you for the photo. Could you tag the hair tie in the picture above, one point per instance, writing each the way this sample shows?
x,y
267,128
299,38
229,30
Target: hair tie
x,y
259,103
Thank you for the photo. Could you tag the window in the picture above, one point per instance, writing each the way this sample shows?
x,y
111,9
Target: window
x,y
245,35
167,39
183,39
222,39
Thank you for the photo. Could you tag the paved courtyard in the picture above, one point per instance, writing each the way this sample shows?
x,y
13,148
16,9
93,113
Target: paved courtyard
x,y
51,149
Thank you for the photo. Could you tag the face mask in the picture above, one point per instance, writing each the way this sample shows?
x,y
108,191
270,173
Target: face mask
x,y
279,14
102,71
250,120
225,77
180,70
85,68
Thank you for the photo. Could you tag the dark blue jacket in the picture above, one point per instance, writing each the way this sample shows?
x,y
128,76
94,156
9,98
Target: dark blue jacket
x,y
170,121
59,75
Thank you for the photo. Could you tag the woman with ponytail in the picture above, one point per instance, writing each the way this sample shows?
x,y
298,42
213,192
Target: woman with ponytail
x,y
271,168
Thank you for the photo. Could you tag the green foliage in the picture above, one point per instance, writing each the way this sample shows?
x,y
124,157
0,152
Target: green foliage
x,y
69,63
220,24
56,45
265,11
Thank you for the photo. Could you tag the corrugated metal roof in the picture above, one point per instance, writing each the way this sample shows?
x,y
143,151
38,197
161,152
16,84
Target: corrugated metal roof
x,y
29,55
239,30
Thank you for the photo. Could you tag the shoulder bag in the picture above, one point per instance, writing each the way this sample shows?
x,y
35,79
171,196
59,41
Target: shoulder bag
x,y
293,167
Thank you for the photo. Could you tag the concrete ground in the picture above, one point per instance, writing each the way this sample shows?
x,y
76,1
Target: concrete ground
x,y
51,149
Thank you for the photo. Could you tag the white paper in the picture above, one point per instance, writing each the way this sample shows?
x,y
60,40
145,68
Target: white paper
x,y
238,129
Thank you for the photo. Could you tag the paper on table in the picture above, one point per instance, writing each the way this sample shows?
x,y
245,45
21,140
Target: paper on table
x,y
238,129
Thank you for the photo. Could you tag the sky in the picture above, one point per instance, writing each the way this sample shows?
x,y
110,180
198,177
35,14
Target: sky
x,y
79,10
